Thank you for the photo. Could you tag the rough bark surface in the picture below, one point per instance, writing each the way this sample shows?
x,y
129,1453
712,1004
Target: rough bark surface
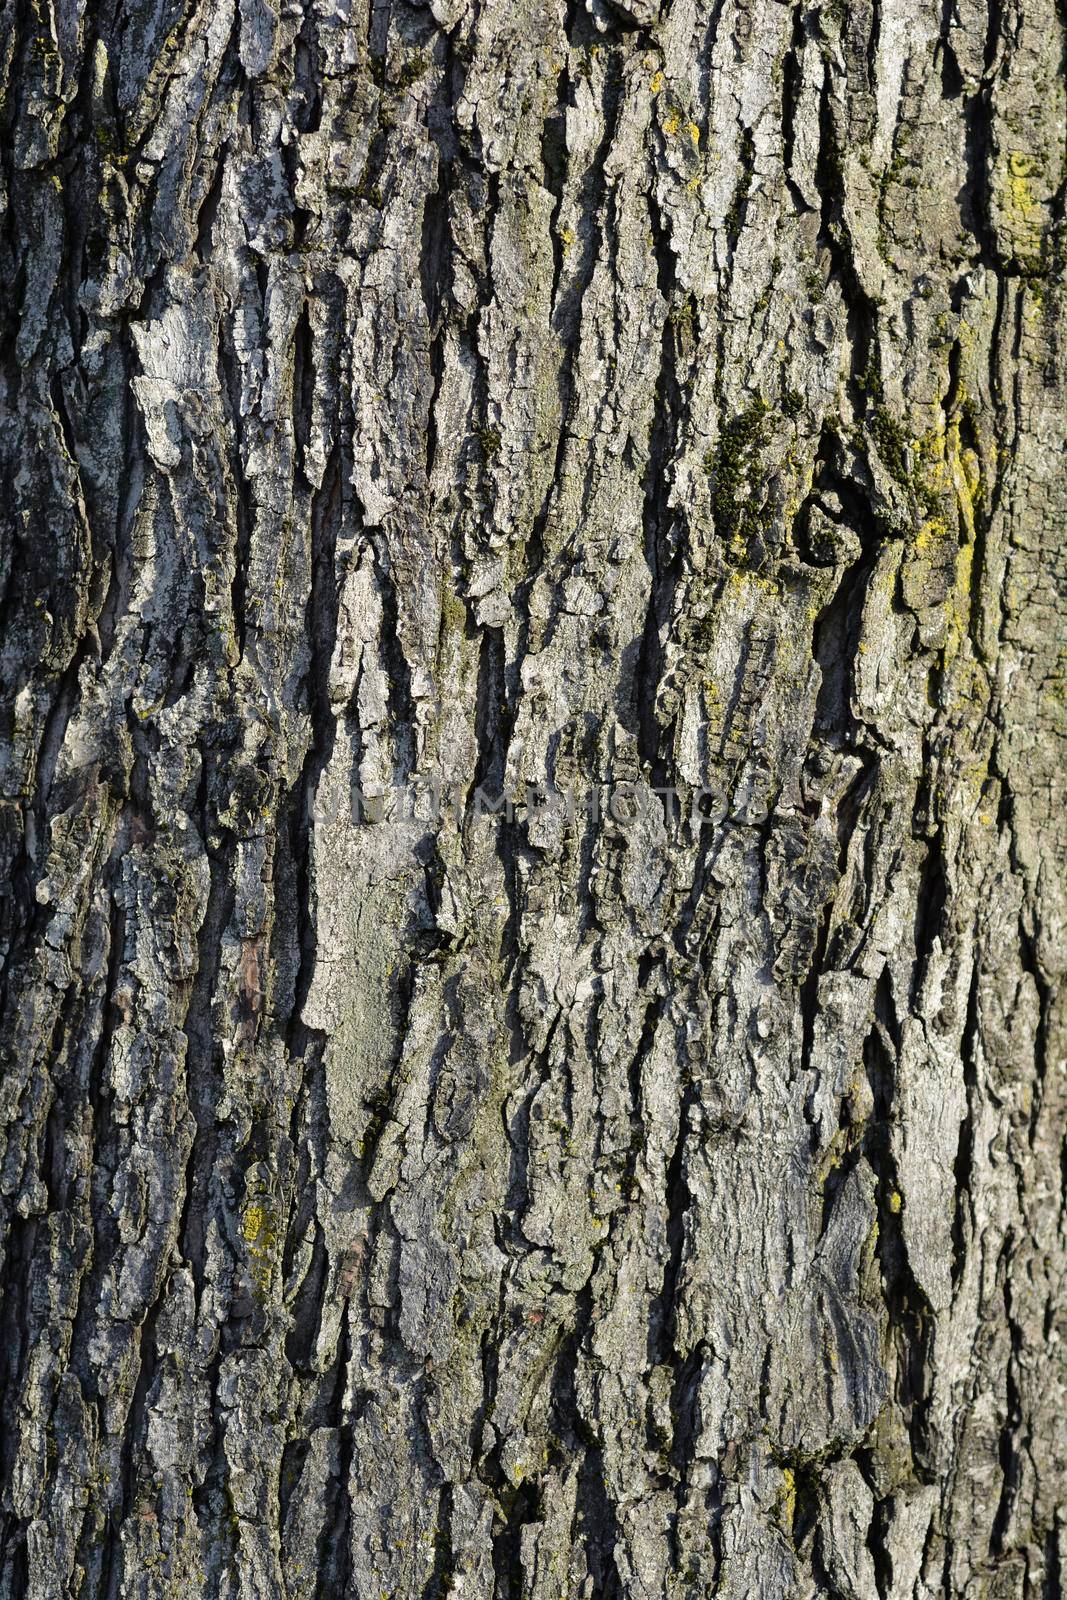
x,y
630,394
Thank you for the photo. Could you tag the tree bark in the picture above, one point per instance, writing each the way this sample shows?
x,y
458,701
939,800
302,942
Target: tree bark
x,y
657,1194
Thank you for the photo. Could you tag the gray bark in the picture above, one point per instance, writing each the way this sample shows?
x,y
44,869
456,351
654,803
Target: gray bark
x,y
616,397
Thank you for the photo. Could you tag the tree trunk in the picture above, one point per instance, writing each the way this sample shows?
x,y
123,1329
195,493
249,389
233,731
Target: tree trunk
x,y
653,1187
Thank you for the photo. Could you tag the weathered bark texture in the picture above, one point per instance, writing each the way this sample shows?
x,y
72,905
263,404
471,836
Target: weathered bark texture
x,y
488,394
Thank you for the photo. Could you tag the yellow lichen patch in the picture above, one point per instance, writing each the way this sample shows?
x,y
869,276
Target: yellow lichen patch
x,y
253,1223
947,485
959,601
932,451
742,581
930,534
694,134
258,1232
671,123
1023,207
896,1203
657,82
971,474
1021,168
787,1500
